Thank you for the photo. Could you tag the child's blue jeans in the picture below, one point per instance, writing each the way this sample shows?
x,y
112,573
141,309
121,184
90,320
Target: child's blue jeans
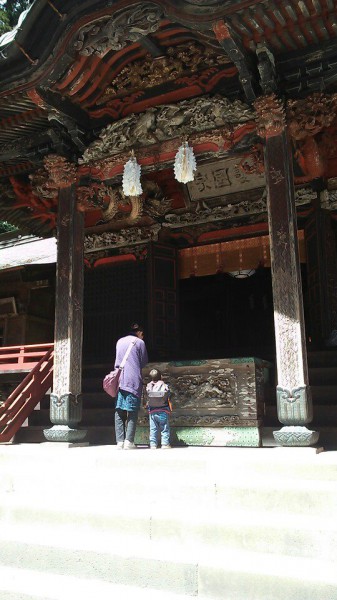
x,y
159,425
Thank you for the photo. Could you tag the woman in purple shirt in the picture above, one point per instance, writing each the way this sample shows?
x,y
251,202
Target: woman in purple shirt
x,y
130,386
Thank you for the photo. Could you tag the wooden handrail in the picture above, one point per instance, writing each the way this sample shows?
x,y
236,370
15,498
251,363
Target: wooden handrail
x,y
23,357
22,401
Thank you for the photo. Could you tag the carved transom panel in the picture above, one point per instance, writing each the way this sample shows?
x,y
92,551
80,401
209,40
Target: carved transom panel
x,y
149,72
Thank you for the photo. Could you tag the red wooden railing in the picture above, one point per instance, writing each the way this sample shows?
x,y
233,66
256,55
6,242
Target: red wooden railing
x,y
20,403
22,358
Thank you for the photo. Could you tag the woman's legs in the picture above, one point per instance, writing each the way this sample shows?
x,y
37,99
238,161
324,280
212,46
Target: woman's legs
x,y
120,420
132,417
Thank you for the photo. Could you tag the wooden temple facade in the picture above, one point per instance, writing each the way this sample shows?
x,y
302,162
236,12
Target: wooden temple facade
x,y
241,261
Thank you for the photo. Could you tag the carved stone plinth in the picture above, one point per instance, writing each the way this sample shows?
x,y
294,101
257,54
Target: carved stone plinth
x,y
63,433
294,406
66,409
216,402
296,436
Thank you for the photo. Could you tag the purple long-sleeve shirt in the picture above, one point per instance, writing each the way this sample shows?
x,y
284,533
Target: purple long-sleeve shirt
x,y
131,377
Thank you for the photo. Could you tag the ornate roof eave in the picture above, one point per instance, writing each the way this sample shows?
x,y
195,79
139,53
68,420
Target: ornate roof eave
x,y
28,50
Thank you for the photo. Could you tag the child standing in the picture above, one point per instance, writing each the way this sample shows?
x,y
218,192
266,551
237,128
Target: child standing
x,y
159,408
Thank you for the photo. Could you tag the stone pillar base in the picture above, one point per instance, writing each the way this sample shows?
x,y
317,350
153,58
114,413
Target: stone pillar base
x,y
296,436
249,437
63,433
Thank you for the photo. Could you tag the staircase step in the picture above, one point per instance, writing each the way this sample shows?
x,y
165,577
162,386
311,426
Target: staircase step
x,y
243,524
14,586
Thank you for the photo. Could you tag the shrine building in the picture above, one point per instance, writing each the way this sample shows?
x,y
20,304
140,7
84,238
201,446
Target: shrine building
x,y
171,162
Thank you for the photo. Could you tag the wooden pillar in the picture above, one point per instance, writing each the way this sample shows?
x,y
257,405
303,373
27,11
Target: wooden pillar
x,y
65,401
294,403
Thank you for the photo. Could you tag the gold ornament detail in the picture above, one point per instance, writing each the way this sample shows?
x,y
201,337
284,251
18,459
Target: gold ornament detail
x,y
61,172
270,116
148,72
308,116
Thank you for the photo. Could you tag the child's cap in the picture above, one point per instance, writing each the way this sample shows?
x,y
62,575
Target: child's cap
x,y
155,374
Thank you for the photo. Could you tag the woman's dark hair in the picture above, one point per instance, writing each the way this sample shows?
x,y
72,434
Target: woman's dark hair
x,y
135,327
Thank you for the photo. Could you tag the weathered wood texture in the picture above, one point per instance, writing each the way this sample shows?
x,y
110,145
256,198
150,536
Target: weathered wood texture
x,y
214,393
65,401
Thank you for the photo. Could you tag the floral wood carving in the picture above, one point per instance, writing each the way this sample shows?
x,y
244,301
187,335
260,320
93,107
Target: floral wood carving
x,y
43,186
61,172
181,59
124,237
253,162
115,32
167,122
270,115
99,195
308,116
152,202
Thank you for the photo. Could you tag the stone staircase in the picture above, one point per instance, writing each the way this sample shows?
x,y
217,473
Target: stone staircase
x,y
207,523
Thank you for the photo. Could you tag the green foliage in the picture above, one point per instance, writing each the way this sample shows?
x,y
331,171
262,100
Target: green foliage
x,y
10,11
4,22
5,227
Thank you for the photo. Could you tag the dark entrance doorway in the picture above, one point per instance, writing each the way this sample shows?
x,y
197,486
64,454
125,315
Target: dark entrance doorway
x,y
225,316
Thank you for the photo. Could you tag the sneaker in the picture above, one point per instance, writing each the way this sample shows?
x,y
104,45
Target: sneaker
x,y
129,445
166,447
120,445
153,447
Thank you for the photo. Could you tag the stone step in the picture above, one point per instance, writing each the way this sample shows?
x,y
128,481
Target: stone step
x,y
243,524
230,574
42,585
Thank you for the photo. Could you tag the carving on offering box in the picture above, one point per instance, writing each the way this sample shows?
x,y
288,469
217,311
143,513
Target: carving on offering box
x,y
215,392
181,59
167,122
270,115
114,33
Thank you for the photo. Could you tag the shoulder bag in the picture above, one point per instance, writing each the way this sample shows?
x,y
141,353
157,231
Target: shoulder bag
x,y
111,380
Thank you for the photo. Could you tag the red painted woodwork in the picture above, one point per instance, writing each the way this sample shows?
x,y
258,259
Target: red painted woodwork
x,y
22,358
27,395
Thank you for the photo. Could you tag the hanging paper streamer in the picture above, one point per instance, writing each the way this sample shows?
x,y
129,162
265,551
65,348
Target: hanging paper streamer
x,y
185,164
131,178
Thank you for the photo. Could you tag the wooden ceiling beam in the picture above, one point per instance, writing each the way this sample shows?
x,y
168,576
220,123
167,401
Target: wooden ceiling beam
x,y
235,51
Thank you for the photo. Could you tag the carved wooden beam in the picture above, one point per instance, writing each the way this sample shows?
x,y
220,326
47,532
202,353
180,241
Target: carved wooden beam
x,y
238,55
266,68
